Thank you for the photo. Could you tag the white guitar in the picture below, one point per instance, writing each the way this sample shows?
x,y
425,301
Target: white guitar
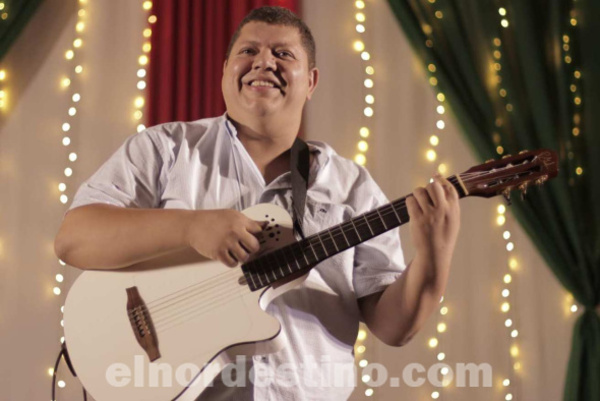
x,y
163,330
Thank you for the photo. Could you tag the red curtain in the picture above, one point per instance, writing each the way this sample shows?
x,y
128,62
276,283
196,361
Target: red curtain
x,y
189,42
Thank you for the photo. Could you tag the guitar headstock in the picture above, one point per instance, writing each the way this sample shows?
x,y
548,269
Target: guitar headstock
x,y
498,177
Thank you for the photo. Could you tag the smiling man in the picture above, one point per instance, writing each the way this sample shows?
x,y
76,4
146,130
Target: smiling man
x,y
181,186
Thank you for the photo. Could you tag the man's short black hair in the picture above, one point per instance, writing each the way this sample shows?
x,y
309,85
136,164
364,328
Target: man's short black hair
x,y
279,16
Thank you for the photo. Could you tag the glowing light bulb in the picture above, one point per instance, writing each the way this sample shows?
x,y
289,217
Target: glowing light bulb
x,y
360,28
441,327
66,127
361,335
435,395
500,220
370,70
510,246
369,99
59,278
440,124
506,382
444,310
441,356
433,342
363,363
365,56
147,32
64,199
507,278
434,140
56,290
505,307
359,4
76,97
68,172
77,43
72,111
359,46
141,85
143,60
364,132
508,322
506,234
431,155
363,146
73,156
368,83
360,17
69,54
62,187
147,5
501,209
369,392
66,141
504,23
360,159
440,109
505,293
78,69
514,333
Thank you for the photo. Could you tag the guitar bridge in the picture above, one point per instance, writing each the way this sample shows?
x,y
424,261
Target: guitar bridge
x,y
141,323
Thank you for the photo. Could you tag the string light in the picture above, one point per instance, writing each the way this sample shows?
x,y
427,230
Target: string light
x,y
66,84
3,93
143,60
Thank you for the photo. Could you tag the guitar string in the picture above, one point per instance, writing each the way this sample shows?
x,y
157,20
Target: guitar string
x,y
222,278
204,298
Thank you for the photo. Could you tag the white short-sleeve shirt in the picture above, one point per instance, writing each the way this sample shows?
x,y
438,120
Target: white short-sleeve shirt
x,y
203,165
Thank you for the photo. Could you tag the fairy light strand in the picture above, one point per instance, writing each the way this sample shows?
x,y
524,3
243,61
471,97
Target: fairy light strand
x,y
143,61
68,83
362,147
3,91
359,46
431,153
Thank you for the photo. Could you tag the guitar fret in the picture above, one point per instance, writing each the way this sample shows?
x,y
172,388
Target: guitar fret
x,y
381,218
333,239
368,225
396,213
355,229
344,234
322,245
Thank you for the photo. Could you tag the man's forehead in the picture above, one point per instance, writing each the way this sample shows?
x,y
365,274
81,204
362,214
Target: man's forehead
x,y
256,32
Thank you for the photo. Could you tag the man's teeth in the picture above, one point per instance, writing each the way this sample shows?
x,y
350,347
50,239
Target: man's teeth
x,y
262,83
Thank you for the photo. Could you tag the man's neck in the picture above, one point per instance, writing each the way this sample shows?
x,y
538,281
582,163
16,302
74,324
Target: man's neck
x,y
268,144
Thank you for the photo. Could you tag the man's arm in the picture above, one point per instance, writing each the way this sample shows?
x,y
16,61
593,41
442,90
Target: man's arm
x,y
109,237
396,314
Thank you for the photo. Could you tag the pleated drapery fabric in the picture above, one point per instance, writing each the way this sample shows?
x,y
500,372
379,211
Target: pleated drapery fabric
x,y
189,42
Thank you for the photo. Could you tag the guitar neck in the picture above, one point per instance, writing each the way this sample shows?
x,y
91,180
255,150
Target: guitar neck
x,y
312,250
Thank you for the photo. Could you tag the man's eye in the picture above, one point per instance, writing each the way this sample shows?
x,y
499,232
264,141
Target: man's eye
x,y
284,54
246,51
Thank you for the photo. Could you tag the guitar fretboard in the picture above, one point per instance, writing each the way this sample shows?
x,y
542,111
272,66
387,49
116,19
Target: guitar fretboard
x,y
312,250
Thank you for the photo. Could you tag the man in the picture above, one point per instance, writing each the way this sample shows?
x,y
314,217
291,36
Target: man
x,y
180,186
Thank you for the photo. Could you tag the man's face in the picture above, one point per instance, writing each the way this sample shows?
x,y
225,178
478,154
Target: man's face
x,y
267,73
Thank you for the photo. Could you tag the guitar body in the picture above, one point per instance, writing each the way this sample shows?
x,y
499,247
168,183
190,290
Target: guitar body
x,y
202,313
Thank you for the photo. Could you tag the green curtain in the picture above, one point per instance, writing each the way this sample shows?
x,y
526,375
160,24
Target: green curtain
x,y
525,74
14,15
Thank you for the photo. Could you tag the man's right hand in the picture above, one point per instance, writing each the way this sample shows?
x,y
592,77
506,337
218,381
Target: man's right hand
x,y
225,235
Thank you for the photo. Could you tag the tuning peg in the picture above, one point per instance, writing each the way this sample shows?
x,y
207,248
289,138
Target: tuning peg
x,y
505,156
523,189
541,180
506,194
523,151
490,160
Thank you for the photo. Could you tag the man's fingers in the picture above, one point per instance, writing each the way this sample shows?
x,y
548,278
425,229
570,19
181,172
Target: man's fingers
x,y
256,227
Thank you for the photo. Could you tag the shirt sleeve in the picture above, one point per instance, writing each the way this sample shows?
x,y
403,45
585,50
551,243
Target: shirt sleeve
x,y
132,177
379,261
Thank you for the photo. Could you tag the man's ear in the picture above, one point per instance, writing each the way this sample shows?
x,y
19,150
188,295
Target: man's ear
x,y
224,65
313,81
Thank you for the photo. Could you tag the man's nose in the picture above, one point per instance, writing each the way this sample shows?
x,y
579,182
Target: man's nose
x,y
265,59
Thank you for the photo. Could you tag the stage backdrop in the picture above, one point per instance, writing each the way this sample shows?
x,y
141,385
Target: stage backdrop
x,y
33,159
